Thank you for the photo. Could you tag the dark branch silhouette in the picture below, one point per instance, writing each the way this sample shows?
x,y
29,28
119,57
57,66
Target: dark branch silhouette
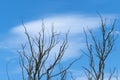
x,y
99,50
37,65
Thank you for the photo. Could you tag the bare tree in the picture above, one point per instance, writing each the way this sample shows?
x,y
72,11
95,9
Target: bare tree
x,y
37,64
99,50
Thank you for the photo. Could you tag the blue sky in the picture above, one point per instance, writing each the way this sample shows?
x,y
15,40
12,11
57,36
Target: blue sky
x,y
65,14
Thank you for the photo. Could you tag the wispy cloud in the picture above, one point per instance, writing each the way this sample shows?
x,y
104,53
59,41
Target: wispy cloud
x,y
62,23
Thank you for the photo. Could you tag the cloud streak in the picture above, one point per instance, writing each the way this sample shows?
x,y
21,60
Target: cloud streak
x,y
62,23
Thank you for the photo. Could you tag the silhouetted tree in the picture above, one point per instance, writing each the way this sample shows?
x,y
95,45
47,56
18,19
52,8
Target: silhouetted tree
x,y
99,50
38,64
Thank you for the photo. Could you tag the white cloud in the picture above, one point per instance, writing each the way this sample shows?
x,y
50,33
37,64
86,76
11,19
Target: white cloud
x,y
62,23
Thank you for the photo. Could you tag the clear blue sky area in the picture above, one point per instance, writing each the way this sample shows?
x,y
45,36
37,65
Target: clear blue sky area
x,y
13,11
